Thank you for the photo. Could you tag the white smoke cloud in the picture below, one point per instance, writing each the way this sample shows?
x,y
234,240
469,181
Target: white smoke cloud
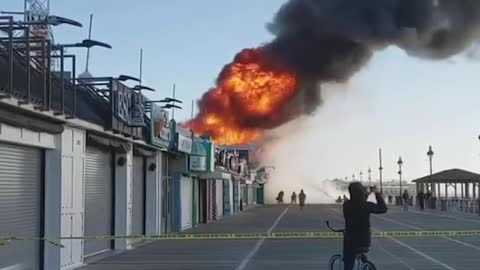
x,y
302,151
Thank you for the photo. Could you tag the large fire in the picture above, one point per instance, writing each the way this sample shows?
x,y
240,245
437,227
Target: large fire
x,y
249,94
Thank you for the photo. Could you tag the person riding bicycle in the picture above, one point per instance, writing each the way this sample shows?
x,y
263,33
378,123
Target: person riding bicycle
x,y
356,211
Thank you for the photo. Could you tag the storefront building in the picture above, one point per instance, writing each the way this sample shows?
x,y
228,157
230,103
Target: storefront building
x,y
161,136
182,203
235,160
74,162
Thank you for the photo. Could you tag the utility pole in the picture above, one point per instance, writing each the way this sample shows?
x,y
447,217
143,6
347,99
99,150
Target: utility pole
x,y
193,106
173,108
369,177
87,62
141,67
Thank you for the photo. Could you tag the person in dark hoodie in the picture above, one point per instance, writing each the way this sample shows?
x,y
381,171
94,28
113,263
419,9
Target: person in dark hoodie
x,y
356,212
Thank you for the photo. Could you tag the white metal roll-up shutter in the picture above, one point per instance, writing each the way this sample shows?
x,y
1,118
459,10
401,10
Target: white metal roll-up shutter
x,y
186,189
20,205
138,196
250,194
98,199
219,198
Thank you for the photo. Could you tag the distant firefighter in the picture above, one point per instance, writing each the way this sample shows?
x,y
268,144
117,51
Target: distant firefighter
x,y
302,198
294,198
280,197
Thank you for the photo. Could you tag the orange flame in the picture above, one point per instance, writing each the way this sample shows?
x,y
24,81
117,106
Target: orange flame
x,y
248,97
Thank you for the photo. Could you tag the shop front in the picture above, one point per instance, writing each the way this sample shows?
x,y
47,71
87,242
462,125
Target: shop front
x,y
100,163
160,136
236,182
218,199
183,203
144,202
197,164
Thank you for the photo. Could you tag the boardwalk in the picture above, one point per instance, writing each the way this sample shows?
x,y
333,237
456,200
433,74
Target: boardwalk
x,y
461,253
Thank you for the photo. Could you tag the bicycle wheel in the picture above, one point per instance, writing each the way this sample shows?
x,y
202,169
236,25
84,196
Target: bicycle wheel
x,y
335,262
368,265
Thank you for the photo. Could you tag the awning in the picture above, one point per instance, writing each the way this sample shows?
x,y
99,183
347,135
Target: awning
x,y
28,120
142,151
108,143
216,175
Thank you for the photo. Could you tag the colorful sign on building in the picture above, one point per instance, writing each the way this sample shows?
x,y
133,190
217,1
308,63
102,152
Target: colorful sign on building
x,y
198,157
183,139
160,132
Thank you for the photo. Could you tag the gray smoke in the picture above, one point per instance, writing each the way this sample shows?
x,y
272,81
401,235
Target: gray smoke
x,y
330,40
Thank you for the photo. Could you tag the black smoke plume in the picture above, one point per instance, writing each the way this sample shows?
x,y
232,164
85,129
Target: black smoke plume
x,y
330,40
323,41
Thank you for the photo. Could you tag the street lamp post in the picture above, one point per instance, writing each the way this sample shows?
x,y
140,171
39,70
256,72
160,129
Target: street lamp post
x,y
478,193
361,178
369,177
380,169
86,43
430,157
400,163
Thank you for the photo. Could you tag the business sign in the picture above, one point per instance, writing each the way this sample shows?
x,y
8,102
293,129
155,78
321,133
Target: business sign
x,y
128,105
233,160
160,126
137,110
184,144
198,163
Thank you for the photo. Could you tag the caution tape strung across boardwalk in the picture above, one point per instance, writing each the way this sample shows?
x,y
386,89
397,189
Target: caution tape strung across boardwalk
x,y
244,236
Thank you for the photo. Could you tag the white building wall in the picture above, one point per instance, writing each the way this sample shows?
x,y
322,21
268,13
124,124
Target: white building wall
x,y
72,151
123,199
158,195
129,181
152,182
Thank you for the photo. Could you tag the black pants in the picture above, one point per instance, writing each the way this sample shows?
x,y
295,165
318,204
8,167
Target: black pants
x,y
348,259
350,252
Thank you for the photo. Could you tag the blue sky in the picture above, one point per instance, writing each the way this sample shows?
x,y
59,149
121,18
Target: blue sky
x,y
398,103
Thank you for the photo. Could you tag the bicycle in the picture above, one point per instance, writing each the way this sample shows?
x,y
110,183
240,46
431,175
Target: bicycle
x,y
362,262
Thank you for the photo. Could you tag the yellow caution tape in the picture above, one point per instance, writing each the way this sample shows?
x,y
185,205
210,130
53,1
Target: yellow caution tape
x,y
4,240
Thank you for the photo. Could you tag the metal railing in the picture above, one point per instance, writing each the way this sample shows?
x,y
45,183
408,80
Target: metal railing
x,y
26,71
463,205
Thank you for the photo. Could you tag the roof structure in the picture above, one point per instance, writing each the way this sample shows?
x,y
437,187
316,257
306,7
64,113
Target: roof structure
x,y
450,176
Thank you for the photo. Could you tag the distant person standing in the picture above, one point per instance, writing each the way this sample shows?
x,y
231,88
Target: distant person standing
x,y
280,197
421,200
428,197
405,198
302,198
294,198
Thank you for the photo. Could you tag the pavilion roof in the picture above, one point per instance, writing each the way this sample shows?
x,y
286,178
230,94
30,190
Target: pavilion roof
x,y
450,176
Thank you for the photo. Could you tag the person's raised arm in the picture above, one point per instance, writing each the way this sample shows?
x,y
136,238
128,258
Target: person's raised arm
x,y
378,208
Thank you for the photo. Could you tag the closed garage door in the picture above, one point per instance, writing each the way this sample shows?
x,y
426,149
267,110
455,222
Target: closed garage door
x,y
138,199
98,199
21,205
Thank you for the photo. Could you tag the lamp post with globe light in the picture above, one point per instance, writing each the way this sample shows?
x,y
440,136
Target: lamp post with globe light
x,y
430,157
400,163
